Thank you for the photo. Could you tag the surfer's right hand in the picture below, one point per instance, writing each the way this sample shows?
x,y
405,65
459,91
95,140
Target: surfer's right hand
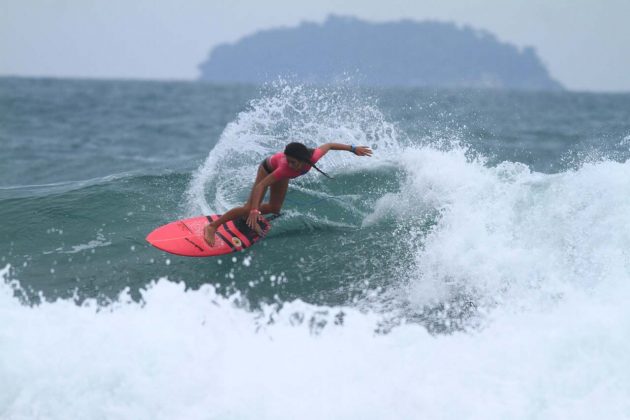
x,y
254,215
208,234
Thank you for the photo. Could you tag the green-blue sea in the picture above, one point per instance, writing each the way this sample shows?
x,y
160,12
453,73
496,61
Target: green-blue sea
x,y
476,266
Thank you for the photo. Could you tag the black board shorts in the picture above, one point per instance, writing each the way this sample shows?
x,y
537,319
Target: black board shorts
x,y
266,166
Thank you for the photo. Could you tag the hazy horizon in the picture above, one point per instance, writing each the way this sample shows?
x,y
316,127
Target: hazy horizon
x,y
581,43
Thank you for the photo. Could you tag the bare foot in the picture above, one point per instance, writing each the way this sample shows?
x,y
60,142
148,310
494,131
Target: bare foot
x,y
208,234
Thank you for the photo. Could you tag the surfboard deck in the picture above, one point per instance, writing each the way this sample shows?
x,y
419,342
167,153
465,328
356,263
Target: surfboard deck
x,y
185,237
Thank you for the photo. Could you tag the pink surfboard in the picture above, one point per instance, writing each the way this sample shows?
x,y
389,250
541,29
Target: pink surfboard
x,y
185,237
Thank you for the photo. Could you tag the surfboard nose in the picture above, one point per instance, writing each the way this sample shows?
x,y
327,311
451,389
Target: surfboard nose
x,y
153,236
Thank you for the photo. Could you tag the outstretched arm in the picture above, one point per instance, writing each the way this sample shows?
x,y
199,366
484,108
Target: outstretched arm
x,y
357,150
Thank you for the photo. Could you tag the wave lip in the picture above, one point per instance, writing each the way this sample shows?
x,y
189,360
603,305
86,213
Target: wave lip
x,y
287,113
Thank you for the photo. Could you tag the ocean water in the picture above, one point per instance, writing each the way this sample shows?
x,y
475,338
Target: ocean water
x,y
477,266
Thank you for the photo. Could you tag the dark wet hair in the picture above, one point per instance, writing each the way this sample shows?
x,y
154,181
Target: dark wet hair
x,y
302,153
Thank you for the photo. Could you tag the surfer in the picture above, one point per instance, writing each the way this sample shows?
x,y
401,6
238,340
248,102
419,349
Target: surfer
x,y
274,173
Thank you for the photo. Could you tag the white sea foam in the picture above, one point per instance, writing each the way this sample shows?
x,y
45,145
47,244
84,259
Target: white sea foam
x,y
100,241
197,355
507,233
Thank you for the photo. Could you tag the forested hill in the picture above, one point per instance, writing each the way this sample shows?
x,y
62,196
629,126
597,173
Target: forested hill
x,y
403,53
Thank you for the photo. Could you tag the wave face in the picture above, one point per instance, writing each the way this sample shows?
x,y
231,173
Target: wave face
x,y
476,267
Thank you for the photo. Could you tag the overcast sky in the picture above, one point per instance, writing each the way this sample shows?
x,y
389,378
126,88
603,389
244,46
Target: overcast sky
x,y
585,44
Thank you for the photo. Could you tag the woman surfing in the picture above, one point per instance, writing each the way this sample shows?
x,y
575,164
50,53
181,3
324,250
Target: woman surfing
x,y
274,173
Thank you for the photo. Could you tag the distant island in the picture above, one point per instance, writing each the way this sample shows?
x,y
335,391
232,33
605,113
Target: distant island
x,y
403,53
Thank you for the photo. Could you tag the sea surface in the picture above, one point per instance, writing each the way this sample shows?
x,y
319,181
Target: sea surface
x,y
476,267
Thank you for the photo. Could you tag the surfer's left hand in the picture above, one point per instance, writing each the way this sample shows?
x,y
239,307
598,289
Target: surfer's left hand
x,y
363,151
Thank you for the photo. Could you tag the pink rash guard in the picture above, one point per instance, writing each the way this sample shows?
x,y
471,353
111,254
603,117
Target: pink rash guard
x,y
281,169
